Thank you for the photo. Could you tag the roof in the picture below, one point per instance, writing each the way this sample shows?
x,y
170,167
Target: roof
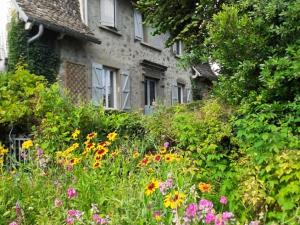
x,y
58,15
204,70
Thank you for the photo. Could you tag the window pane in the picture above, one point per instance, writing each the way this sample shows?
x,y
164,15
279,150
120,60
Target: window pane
x,y
146,92
111,90
152,92
179,94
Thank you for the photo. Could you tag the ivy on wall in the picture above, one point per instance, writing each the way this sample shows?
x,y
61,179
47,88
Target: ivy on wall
x,y
40,56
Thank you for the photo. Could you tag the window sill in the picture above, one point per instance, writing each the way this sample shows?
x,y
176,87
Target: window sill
x,y
150,46
111,30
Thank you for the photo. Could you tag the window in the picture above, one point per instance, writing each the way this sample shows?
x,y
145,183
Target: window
x,y
104,86
108,13
144,33
180,88
150,91
177,48
177,94
84,11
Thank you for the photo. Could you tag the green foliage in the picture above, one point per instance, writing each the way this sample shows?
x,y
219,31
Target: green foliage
x,y
40,56
19,93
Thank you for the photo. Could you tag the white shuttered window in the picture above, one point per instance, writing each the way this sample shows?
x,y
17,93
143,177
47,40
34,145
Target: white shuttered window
x,y
108,13
103,87
138,25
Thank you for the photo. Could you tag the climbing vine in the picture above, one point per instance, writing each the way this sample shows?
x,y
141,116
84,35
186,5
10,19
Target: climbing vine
x,y
40,56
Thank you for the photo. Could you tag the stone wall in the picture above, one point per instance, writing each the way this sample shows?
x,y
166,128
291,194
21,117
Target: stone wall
x,y
121,51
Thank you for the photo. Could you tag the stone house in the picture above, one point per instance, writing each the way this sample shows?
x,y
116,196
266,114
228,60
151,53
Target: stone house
x,y
108,56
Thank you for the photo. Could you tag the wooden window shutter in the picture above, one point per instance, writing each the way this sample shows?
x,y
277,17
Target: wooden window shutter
x,y
108,12
174,94
126,91
98,84
138,25
189,95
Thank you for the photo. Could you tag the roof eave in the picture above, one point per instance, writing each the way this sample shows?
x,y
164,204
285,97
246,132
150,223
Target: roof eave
x,y
65,30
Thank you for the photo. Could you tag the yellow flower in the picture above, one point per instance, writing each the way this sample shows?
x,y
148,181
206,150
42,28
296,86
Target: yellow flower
x,y
204,187
3,150
101,152
115,153
163,150
27,144
174,200
136,154
97,164
112,136
169,157
74,161
90,136
75,134
151,187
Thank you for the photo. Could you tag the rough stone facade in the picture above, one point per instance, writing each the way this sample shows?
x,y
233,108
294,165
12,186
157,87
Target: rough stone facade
x,y
119,50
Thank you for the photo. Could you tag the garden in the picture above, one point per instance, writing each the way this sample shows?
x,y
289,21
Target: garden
x,y
232,158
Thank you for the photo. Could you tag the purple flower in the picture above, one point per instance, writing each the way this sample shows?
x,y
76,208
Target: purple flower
x,y
227,216
70,220
191,211
223,200
75,213
71,193
166,144
205,205
210,217
98,220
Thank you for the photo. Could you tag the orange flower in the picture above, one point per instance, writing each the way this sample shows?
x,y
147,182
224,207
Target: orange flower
x,y
157,158
90,146
136,154
101,152
145,161
204,187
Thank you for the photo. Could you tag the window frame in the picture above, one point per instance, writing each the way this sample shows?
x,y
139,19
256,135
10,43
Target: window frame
x,y
180,88
147,91
114,89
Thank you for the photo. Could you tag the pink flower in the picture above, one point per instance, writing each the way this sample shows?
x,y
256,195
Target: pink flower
x,y
205,205
210,217
98,220
70,220
227,216
75,213
18,209
166,144
39,152
71,193
191,211
58,203
13,223
223,200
